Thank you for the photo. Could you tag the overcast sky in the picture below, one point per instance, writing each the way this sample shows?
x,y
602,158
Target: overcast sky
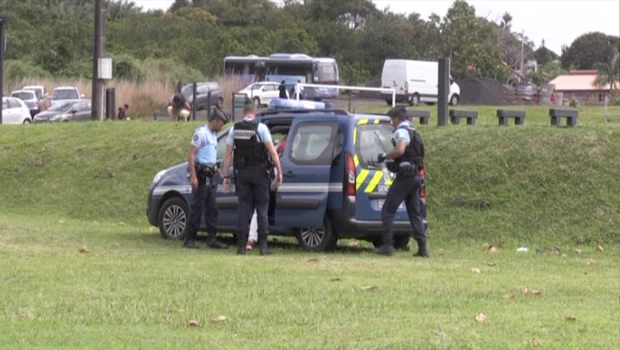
x,y
558,22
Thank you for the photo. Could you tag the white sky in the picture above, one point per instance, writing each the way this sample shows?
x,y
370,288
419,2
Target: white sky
x,y
559,22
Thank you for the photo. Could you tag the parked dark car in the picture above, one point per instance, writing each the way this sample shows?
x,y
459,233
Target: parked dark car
x,y
202,95
65,112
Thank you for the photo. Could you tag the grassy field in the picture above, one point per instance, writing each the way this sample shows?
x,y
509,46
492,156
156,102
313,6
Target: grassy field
x,y
64,187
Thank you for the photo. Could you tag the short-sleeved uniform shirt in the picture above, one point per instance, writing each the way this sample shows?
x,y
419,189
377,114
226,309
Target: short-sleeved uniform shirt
x,y
263,134
401,132
206,141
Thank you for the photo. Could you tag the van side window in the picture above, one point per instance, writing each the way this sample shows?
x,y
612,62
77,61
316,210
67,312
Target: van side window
x,y
313,143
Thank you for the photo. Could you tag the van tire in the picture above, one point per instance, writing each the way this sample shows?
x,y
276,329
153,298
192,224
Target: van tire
x,y
414,100
174,209
389,102
256,101
318,240
454,100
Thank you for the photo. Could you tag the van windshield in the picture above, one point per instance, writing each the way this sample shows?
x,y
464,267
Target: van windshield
x,y
372,140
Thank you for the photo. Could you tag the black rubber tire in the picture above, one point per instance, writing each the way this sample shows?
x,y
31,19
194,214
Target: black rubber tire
x,y
27,121
174,209
389,102
454,100
256,101
414,100
318,240
219,103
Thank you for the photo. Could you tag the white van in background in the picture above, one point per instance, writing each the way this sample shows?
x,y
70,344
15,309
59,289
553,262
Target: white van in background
x,y
415,82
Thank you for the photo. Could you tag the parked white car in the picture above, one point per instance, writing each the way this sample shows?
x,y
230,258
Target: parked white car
x,y
65,94
14,111
261,93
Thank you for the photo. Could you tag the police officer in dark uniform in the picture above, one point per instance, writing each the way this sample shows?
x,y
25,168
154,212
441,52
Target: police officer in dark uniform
x,y
408,160
253,161
201,161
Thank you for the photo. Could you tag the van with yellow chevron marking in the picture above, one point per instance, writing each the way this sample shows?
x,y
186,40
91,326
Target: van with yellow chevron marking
x,y
332,186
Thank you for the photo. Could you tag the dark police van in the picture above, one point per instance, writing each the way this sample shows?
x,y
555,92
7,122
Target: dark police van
x,y
332,186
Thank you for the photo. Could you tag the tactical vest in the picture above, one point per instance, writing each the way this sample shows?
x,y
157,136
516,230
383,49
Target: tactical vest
x,y
248,151
414,152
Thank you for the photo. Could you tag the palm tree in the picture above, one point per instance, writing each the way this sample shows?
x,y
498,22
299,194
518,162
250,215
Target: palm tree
x,y
608,73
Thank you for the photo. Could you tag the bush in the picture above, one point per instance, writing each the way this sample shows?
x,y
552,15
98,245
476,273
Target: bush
x,y
125,67
15,71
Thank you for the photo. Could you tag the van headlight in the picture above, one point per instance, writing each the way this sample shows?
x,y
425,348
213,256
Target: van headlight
x,y
158,176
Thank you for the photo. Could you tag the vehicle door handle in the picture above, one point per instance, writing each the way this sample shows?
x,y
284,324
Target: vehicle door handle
x,y
290,174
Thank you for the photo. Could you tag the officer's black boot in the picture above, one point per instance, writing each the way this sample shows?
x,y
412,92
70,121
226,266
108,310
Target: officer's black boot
x,y
387,246
241,244
212,242
262,243
190,241
422,250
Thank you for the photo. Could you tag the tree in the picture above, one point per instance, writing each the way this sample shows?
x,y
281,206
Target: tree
x,y
608,73
543,55
588,50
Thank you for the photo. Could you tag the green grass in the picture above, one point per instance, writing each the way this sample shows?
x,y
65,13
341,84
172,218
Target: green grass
x,y
67,186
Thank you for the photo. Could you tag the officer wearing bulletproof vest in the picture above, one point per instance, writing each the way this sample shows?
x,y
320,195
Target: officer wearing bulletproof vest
x,y
201,161
253,161
407,163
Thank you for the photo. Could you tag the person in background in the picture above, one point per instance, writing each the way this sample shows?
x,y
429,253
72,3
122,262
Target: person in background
x,y
122,112
298,90
283,91
179,108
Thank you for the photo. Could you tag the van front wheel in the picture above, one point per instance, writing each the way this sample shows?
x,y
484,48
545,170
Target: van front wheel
x,y
318,239
414,100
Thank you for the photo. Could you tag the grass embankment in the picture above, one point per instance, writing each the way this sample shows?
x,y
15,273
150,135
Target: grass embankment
x,y
71,185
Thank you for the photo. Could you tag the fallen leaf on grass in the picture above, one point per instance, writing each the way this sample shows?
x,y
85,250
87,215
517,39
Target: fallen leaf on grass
x,y
369,288
493,249
437,332
27,315
116,245
476,270
441,255
590,262
563,256
600,248
61,221
192,323
175,311
508,296
121,224
536,342
151,229
528,291
335,279
578,251
485,246
353,244
313,260
491,264
481,317
84,250
570,319
219,319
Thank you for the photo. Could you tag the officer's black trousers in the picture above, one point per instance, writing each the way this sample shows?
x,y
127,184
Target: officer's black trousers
x,y
404,188
203,201
252,186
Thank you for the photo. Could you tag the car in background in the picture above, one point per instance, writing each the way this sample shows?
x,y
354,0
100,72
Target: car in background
x,y
202,95
39,90
65,94
262,93
65,112
30,100
14,111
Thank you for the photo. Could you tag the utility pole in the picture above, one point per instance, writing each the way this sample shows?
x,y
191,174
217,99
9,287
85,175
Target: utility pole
x,y
3,21
98,52
522,39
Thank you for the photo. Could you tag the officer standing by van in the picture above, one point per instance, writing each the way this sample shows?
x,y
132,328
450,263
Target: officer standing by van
x,y
201,161
408,156
253,161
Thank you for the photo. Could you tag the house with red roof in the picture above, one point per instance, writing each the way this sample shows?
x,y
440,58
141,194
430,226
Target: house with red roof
x,y
580,85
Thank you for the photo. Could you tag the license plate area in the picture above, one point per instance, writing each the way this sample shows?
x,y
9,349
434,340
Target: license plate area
x,y
377,204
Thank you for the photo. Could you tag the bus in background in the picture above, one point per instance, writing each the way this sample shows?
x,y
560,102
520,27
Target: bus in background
x,y
291,68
